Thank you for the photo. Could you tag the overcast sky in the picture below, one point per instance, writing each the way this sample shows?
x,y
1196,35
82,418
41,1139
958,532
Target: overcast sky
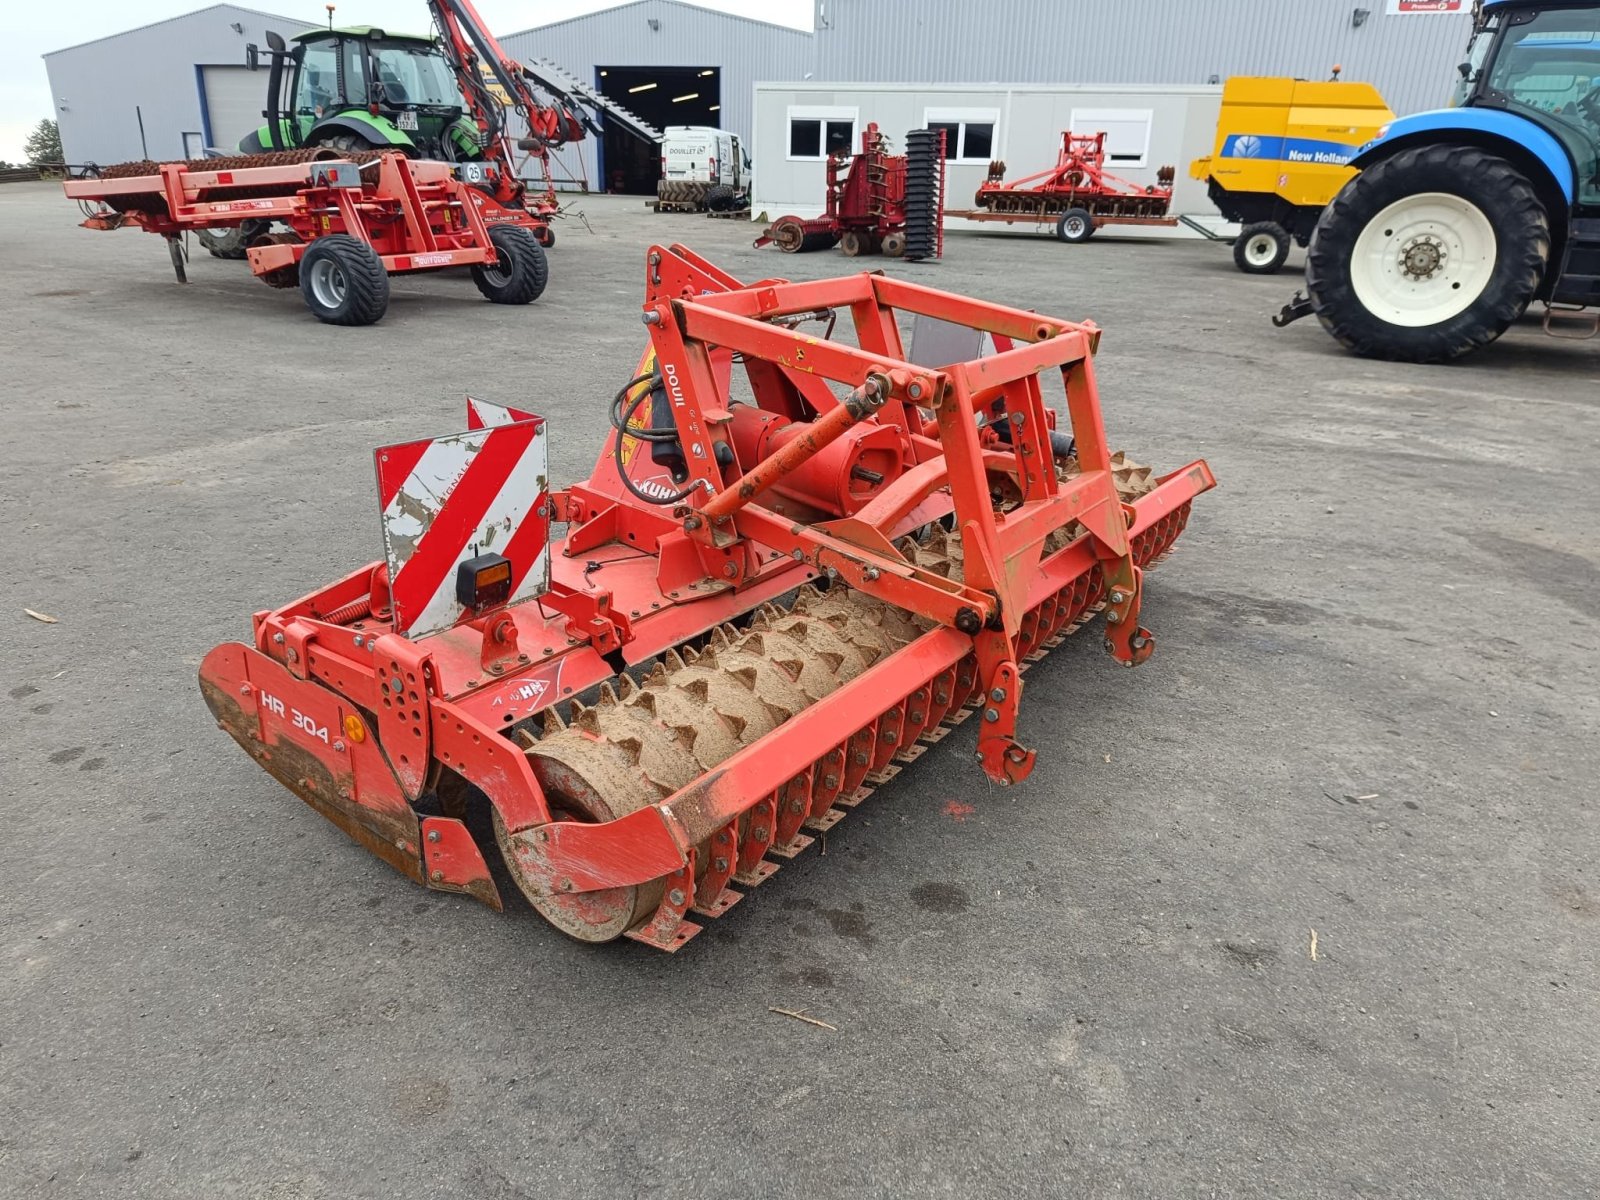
x,y
31,28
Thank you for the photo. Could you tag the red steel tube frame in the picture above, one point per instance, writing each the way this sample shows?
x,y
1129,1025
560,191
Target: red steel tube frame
x,y
654,840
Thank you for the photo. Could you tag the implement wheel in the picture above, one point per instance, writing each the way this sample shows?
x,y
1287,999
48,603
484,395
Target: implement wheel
x,y
519,273
343,281
787,234
1076,225
894,244
587,916
854,245
1261,248
1428,255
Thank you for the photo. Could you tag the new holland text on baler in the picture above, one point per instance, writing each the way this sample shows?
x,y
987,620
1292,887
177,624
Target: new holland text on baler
x,y
757,609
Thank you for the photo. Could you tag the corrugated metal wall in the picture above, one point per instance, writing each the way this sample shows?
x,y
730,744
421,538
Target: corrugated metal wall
x,y
1087,42
98,86
1409,58
1028,122
686,37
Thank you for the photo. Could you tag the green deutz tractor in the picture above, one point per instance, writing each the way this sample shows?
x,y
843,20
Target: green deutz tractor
x,y
359,88
364,89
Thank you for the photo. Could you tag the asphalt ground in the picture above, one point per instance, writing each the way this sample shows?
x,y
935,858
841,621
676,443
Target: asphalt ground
x,y
1371,714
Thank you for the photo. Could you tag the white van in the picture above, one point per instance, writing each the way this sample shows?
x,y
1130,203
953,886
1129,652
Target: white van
x,y
702,167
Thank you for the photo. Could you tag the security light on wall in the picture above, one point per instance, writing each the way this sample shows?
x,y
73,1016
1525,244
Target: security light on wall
x,y
1359,17
655,24
236,27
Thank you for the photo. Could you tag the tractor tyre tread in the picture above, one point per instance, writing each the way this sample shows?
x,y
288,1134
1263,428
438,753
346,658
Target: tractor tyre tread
x,y
1522,240
233,243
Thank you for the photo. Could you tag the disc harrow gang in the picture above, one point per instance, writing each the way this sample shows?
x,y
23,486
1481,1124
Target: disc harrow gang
x,y
760,609
1077,194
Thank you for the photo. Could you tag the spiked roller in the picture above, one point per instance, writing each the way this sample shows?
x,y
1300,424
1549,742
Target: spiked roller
x,y
765,601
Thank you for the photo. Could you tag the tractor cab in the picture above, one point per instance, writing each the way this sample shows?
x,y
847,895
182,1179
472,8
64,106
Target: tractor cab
x,y
1542,63
362,88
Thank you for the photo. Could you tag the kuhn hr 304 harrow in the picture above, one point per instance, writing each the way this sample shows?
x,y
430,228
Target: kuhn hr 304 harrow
x,y
758,608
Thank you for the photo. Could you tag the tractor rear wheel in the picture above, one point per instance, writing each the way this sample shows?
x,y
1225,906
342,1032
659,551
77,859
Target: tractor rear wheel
x,y
345,141
232,243
1428,255
519,273
1261,248
343,281
1076,225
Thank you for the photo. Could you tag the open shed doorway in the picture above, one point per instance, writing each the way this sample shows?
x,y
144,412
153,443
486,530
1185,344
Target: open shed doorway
x,y
662,96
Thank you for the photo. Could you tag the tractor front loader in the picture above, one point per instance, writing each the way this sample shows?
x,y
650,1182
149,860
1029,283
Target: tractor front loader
x,y
770,592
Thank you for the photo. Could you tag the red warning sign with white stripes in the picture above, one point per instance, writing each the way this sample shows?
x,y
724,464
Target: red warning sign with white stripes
x,y
448,499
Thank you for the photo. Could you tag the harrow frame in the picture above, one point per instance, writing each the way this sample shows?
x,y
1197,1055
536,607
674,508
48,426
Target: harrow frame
x,y
424,716
1079,184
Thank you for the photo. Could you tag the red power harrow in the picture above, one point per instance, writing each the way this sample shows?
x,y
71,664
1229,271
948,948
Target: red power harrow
x,y
1078,194
876,202
349,224
771,591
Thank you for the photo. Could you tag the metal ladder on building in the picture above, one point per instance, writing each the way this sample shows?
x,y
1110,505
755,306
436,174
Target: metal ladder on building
x,y
569,87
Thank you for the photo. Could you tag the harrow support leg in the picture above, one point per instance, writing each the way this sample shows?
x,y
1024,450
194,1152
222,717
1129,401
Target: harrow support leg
x,y
1127,641
1004,759
175,252
667,930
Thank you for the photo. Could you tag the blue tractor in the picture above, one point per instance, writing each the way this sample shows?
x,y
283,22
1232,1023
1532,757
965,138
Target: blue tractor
x,y
1461,218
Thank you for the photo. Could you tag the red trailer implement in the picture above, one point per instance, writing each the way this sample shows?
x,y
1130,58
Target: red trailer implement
x,y
876,202
350,224
758,608
1077,195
